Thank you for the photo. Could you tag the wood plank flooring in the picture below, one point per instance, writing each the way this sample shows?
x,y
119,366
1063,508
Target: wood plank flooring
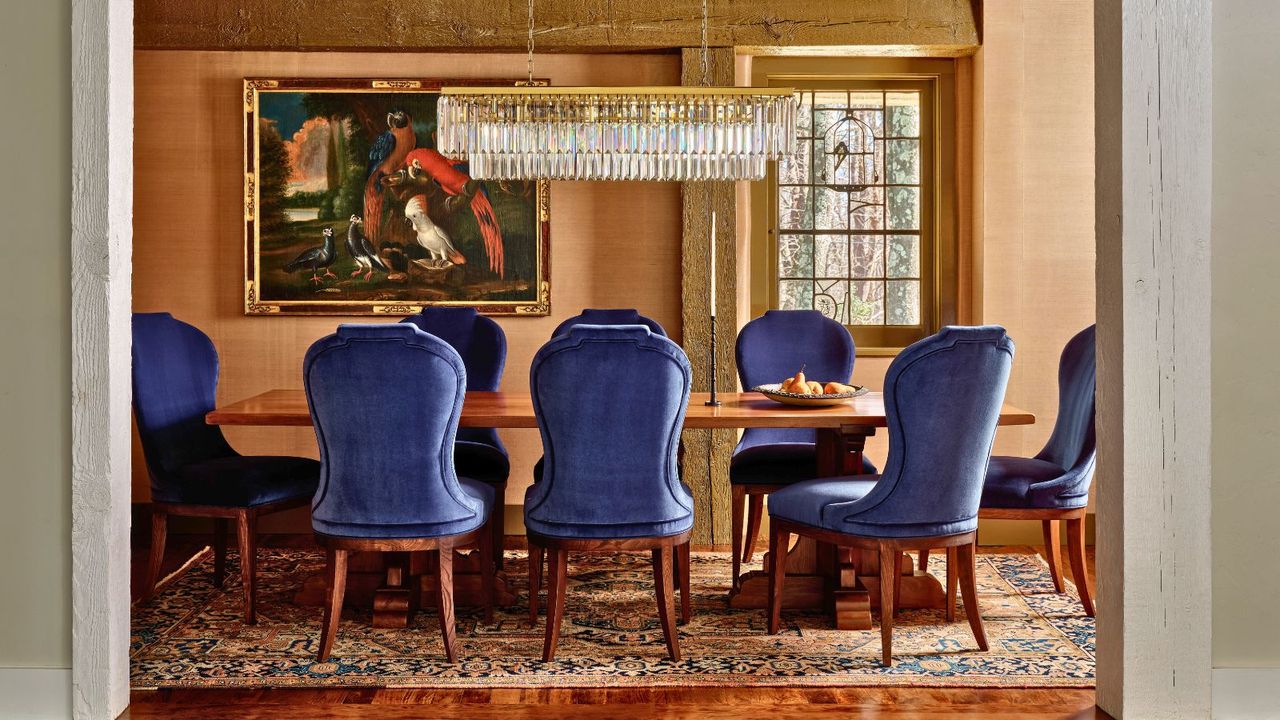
x,y
605,703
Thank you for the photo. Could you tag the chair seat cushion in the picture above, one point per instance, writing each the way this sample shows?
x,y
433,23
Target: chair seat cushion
x,y
481,461
1009,481
482,491
779,463
240,481
606,530
805,501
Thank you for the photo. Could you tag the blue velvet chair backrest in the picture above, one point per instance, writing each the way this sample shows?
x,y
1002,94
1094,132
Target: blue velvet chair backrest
x,y
385,402
942,398
772,347
619,316
175,380
1073,441
483,347
610,402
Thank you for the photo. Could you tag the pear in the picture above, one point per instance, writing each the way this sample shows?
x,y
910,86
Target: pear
x,y
800,381
815,388
786,384
832,388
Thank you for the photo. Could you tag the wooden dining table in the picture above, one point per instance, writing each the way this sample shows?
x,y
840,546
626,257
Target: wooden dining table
x,y
843,580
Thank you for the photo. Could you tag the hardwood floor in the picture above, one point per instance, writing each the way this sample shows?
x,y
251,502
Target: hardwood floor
x,y
601,703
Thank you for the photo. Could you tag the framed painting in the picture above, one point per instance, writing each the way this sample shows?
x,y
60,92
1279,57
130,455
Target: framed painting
x,y
350,210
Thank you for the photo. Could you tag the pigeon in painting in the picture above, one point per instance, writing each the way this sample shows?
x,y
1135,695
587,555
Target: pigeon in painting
x,y
316,258
361,251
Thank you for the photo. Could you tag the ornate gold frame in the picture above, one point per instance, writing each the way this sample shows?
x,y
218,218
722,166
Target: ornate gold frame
x,y
254,306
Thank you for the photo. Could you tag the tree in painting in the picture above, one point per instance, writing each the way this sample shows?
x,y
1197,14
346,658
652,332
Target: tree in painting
x,y
409,225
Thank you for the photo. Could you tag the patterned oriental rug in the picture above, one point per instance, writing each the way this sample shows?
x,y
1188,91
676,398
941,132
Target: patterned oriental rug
x,y
191,635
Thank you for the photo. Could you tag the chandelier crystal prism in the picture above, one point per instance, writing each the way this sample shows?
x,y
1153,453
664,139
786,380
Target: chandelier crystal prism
x,y
535,132
624,133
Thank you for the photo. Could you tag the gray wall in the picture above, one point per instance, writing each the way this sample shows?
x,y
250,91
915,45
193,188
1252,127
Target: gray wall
x,y
35,359
1246,297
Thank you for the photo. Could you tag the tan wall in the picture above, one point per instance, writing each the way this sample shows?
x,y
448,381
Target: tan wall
x,y
1246,395
35,358
612,244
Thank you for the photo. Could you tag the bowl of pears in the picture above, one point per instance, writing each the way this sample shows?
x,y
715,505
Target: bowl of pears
x,y
800,390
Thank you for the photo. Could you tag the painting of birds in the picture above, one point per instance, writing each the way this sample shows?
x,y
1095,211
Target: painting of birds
x,y
361,251
456,182
317,258
385,157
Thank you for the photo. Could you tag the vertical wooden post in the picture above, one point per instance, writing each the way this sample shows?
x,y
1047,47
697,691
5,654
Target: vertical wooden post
x,y
707,452
1153,69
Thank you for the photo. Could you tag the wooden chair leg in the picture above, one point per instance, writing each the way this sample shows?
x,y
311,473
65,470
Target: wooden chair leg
x,y
889,558
952,581
967,561
897,581
219,551
755,504
556,584
444,573
487,569
498,524
336,584
247,534
736,509
536,556
1053,552
662,558
778,542
924,561
1079,568
159,532
683,571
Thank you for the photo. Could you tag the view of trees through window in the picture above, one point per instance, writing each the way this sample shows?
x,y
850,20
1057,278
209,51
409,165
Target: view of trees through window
x,y
849,225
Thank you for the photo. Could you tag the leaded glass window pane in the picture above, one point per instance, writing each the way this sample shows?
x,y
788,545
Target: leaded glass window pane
x,y
849,208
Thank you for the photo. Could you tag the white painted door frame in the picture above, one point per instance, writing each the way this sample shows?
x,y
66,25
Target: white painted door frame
x,y
1153,150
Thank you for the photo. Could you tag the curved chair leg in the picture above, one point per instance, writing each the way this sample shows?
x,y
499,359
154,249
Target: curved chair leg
x,y
778,542
1053,552
924,561
536,556
735,529
159,532
219,551
889,558
558,571
666,602
498,525
1079,569
336,584
952,580
486,571
683,572
755,504
966,555
247,534
444,573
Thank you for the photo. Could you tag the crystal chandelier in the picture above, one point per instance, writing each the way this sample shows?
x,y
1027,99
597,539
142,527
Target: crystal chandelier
x,y
533,132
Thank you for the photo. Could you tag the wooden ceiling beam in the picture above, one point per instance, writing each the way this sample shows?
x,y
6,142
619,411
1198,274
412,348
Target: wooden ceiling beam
x,y
948,27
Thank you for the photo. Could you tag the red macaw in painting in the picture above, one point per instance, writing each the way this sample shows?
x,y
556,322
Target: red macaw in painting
x,y
385,157
455,181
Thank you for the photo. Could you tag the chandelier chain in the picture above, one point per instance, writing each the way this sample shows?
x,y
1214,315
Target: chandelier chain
x,y
530,60
706,80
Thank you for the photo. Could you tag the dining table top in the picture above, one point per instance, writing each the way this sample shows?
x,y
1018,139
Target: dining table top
x,y
504,409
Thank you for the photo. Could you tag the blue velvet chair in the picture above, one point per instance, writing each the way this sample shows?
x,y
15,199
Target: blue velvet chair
x,y
769,349
619,316
478,453
1054,485
385,401
193,470
942,403
610,402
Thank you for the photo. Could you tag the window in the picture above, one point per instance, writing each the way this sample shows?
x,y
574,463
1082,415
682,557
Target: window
x,y
856,224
